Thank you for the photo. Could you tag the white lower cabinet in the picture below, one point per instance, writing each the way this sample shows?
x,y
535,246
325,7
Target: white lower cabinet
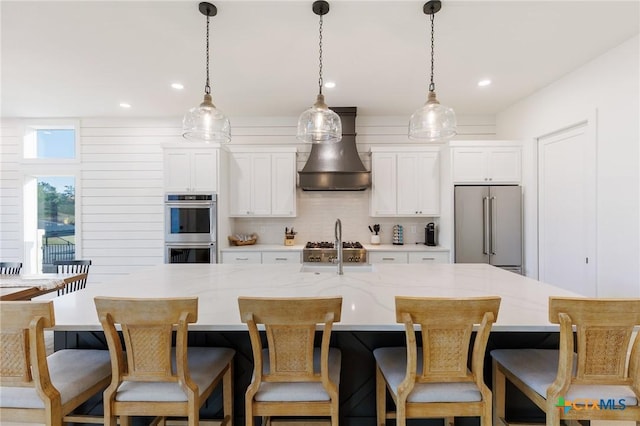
x,y
281,257
271,257
240,257
429,257
408,257
387,257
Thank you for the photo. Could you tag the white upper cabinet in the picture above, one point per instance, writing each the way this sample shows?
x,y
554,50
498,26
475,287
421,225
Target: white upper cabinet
x,y
191,169
405,181
480,162
262,182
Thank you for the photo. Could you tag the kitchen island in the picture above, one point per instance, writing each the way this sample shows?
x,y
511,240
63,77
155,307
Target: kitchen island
x,y
368,312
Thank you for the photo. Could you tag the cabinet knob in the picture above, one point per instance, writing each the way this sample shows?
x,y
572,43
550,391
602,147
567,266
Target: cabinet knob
x,y
490,178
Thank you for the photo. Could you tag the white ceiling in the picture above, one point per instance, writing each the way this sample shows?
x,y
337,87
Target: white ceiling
x,y
83,58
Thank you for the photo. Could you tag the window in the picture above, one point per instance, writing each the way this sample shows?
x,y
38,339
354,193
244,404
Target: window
x,y
56,220
51,167
57,141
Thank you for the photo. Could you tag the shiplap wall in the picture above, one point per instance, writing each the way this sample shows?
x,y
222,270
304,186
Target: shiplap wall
x,y
120,192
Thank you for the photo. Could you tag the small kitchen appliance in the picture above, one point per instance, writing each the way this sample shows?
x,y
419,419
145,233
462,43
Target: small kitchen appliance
x,y
430,234
325,252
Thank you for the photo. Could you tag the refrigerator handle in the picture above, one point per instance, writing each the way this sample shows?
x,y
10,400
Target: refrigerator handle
x,y
485,225
492,215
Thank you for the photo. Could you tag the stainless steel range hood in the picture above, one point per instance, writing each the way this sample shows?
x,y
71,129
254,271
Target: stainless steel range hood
x,y
336,167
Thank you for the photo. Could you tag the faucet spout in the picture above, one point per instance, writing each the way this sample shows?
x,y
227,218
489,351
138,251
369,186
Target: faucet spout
x,y
338,235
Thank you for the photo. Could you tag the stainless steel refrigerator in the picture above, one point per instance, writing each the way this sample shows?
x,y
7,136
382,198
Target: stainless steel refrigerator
x,y
488,225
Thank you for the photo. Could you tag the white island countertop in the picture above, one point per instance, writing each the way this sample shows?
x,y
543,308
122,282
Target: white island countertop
x,y
368,297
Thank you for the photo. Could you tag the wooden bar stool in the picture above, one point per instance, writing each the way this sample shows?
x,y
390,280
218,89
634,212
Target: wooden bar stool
x,y
433,380
152,378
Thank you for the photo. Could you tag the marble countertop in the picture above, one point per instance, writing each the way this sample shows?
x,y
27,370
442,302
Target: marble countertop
x,y
264,247
370,247
368,297
404,247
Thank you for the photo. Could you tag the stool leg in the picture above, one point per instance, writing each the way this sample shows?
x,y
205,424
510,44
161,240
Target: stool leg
x,y
499,388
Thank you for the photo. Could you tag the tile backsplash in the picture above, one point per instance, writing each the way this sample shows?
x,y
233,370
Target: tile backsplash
x,y
316,216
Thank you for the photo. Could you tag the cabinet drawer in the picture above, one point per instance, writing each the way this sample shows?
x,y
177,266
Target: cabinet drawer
x,y
429,257
387,257
281,257
241,257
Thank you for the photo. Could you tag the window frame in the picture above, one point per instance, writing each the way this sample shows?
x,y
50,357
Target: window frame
x,y
29,141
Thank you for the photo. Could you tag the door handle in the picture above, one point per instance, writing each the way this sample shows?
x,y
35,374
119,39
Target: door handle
x,y
485,225
492,214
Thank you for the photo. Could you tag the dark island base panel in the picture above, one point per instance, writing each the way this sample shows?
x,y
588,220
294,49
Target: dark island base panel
x,y
357,385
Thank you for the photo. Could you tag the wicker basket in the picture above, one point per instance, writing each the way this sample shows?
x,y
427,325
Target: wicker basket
x,y
235,242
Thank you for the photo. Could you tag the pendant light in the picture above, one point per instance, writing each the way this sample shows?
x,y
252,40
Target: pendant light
x,y
432,122
206,123
319,124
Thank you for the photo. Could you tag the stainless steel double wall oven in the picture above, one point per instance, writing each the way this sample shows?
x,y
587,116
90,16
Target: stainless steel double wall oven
x,y
191,228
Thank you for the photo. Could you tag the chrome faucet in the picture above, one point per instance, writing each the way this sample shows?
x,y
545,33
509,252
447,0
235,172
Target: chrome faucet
x,y
338,235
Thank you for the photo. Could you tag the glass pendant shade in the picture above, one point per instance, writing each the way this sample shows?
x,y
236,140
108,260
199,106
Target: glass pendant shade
x,y
319,124
206,123
433,122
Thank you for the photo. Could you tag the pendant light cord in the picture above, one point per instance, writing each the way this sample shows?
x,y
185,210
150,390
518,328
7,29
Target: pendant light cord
x,y
432,86
207,88
320,59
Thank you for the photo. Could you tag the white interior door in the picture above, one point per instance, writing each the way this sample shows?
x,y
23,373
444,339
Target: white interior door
x,y
566,209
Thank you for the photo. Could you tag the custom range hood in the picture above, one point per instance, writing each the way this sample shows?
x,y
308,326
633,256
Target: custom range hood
x,y
336,167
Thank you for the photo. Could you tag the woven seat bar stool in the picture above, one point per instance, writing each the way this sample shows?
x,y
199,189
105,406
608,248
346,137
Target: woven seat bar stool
x,y
34,387
434,381
292,377
597,378
150,377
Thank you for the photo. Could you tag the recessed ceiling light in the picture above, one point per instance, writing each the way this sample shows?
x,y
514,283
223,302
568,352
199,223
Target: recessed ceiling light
x,y
483,83
330,84
177,86
125,105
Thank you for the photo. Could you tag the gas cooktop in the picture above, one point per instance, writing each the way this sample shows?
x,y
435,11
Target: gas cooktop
x,y
325,252
328,245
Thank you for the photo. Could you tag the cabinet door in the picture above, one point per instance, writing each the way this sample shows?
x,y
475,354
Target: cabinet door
x,y
387,257
240,184
383,185
191,170
407,187
504,165
428,184
281,257
429,257
283,184
260,184
177,170
469,165
418,185
204,165
240,257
